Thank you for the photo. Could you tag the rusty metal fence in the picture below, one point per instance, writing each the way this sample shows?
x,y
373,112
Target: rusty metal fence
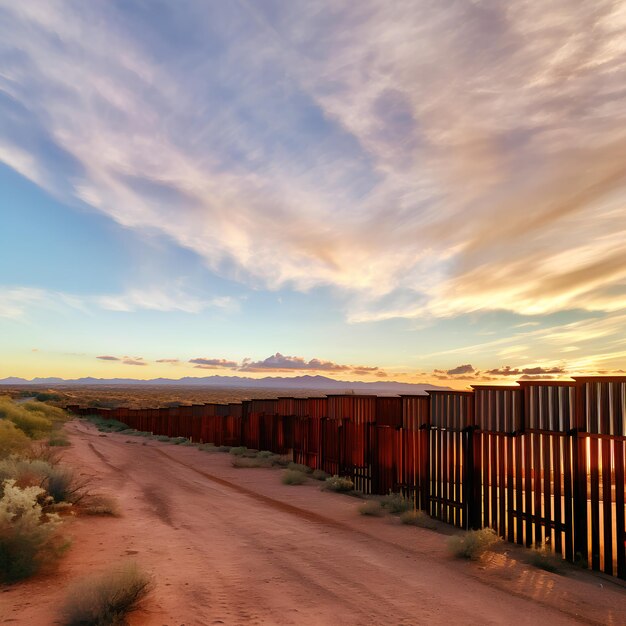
x,y
542,462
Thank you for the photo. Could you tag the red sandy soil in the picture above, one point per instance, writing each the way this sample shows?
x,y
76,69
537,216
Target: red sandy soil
x,y
236,546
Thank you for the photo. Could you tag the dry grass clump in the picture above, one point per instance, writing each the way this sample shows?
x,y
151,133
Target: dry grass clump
x,y
106,599
28,537
298,467
473,544
12,439
319,474
372,508
35,419
293,477
418,518
340,484
246,462
544,559
58,441
98,504
396,503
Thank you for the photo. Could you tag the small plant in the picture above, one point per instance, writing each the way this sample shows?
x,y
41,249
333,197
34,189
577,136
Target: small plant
x,y
63,486
371,508
319,474
106,599
99,505
58,441
207,447
544,559
242,461
223,448
473,544
162,438
28,536
418,518
265,454
395,503
238,451
12,439
340,484
298,467
293,477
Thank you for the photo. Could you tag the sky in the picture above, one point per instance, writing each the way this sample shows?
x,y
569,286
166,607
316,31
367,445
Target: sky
x,y
420,191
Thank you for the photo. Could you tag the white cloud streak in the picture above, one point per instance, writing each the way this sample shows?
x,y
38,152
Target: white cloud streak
x,y
424,159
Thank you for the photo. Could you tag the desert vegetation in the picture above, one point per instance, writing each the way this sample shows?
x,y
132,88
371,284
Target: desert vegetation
x,y
108,598
36,490
473,544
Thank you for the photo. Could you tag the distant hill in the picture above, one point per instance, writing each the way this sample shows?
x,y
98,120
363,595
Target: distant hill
x,y
319,383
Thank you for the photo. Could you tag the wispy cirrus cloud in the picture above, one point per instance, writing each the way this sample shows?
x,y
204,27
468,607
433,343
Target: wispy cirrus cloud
x,y
435,159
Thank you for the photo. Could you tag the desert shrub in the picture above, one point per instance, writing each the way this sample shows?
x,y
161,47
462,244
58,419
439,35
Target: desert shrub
x,y
223,448
293,477
25,472
265,454
63,485
207,447
473,544
43,396
107,425
162,438
238,451
543,558
28,537
298,467
372,508
108,598
418,518
12,439
242,461
177,441
58,440
338,484
98,504
319,474
52,413
395,503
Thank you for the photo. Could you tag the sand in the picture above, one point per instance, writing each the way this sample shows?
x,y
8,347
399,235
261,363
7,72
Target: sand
x,y
235,546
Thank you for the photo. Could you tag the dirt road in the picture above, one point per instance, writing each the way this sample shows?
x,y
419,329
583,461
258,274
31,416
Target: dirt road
x,y
235,546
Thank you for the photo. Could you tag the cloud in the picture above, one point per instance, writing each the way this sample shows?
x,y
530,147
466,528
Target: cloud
x,y
527,371
171,361
461,369
129,361
17,302
108,357
213,363
279,362
457,157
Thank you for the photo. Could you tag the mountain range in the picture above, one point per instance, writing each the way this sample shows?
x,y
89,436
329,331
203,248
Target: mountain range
x,y
319,383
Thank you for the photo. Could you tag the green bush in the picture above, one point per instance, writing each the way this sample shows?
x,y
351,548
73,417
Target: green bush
x,y
341,484
207,447
238,450
298,467
58,441
265,454
395,503
473,544
106,599
319,474
418,518
293,477
12,439
28,537
372,508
